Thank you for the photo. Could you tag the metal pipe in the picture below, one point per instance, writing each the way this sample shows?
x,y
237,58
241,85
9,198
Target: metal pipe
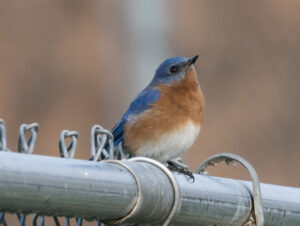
x,y
106,191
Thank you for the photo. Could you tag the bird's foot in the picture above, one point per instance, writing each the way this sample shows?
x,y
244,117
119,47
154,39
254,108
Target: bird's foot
x,y
178,162
177,165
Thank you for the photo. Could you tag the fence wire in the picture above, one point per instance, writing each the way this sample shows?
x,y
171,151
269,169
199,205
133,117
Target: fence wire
x,y
128,190
102,148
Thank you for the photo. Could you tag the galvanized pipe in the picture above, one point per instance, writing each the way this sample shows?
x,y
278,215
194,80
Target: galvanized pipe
x,y
107,191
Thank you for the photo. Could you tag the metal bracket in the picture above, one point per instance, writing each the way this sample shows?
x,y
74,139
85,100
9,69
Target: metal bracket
x,y
139,195
176,192
231,159
177,201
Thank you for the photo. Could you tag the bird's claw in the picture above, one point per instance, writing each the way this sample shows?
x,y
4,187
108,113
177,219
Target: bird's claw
x,y
178,162
178,168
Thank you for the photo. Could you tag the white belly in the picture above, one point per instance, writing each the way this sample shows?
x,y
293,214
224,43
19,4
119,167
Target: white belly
x,y
172,144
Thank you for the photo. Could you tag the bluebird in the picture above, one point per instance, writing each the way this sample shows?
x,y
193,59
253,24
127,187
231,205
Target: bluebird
x,y
164,120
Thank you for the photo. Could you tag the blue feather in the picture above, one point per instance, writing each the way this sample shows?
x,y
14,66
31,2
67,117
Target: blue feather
x,y
141,103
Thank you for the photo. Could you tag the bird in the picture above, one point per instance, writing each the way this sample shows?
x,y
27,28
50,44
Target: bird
x,y
165,118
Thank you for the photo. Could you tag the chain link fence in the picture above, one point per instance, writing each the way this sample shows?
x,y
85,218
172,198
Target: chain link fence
x,y
102,148
138,191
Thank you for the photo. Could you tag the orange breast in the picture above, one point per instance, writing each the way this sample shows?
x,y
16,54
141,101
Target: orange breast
x,y
179,103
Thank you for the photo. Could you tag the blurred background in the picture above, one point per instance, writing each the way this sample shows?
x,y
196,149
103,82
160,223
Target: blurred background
x,y
73,64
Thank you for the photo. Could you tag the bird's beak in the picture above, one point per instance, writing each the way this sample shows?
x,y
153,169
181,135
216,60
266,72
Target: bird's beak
x,y
192,60
186,66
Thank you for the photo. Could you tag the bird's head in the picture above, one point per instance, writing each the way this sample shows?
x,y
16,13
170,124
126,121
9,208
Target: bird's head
x,y
173,70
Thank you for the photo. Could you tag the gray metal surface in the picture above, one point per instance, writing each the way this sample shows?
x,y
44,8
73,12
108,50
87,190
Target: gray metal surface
x,y
79,188
64,187
281,204
232,159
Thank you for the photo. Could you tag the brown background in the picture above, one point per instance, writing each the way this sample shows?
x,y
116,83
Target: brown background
x,y
66,65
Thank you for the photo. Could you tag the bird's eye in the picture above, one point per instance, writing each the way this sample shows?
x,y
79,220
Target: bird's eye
x,y
174,69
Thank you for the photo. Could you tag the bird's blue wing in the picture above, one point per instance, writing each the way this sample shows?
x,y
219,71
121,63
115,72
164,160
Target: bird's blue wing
x,y
141,103
117,131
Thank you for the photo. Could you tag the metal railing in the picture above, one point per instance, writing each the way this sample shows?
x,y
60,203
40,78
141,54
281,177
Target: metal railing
x,y
137,191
